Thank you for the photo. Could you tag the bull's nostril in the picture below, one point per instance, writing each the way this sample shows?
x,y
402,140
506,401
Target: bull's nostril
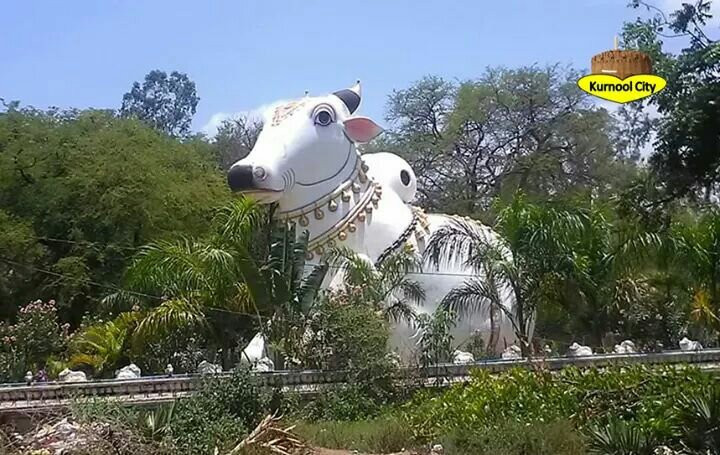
x,y
240,177
259,173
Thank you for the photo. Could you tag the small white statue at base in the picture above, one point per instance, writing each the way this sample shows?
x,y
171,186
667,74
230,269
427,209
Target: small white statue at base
x,y
690,345
625,347
264,365
577,350
206,367
512,352
131,371
68,375
462,357
254,351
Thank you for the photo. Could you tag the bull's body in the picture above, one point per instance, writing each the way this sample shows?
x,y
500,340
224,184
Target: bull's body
x,y
309,166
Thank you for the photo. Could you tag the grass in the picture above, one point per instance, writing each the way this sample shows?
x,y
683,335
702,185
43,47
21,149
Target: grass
x,y
513,438
381,435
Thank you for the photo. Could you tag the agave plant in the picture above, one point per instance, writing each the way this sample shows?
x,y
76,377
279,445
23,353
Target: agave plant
x,y
620,438
700,421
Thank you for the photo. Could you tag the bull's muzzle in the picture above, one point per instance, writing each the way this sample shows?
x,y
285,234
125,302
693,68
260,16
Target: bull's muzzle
x,y
240,177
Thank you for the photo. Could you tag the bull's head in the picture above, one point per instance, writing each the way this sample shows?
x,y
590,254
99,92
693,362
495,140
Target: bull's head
x,y
305,150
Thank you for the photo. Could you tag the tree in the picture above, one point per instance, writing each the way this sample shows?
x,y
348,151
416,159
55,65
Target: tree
x,y
235,139
528,260
88,189
225,285
386,287
205,283
688,133
166,103
528,128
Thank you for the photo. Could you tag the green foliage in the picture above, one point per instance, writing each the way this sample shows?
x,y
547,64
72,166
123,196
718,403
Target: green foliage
x,y
234,140
620,438
700,420
384,434
166,103
527,128
104,346
219,414
35,338
94,187
353,338
513,438
345,336
643,395
20,252
685,157
435,341
385,286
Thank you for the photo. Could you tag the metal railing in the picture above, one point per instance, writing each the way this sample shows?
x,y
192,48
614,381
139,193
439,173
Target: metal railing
x,y
155,389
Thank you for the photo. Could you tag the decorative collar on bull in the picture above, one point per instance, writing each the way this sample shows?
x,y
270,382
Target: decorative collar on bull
x,y
306,161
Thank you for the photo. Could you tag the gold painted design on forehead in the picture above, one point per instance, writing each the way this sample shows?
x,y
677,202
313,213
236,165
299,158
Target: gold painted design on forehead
x,y
285,111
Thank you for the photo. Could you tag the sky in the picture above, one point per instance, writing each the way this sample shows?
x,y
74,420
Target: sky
x,y
245,54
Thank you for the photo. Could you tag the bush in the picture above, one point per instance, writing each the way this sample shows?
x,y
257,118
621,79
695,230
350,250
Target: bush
x,y
590,397
219,414
513,438
382,435
32,340
353,338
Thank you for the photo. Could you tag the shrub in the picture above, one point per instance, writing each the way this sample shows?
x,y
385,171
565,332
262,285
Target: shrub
x,y
219,414
699,417
513,438
351,337
32,340
644,395
382,435
621,438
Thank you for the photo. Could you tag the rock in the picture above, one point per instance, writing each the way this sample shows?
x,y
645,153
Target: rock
x,y
264,365
512,353
206,367
68,375
577,350
625,347
254,351
65,437
437,449
462,357
690,345
131,371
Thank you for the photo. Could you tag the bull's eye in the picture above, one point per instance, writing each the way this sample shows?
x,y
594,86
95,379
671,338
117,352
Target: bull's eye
x,y
323,115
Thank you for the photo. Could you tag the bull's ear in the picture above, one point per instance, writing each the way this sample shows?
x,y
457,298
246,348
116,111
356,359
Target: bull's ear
x,y
361,129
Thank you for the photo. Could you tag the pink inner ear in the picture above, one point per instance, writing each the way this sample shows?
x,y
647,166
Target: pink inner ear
x,y
361,129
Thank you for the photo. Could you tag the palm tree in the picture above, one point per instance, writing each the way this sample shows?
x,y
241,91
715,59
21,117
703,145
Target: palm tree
x,y
246,277
206,284
386,286
527,260
104,346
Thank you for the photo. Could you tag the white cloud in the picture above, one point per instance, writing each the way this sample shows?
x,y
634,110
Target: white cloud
x,y
210,128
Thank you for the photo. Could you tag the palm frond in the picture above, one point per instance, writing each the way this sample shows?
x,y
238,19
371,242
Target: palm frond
x,y
171,315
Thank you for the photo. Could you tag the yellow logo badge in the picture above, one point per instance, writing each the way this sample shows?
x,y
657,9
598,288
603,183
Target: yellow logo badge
x,y
612,88
621,76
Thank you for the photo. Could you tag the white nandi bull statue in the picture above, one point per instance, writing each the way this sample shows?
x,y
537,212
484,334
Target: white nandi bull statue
x,y
305,160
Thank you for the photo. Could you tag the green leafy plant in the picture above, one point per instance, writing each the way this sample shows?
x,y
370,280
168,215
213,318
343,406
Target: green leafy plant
x,y
620,438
